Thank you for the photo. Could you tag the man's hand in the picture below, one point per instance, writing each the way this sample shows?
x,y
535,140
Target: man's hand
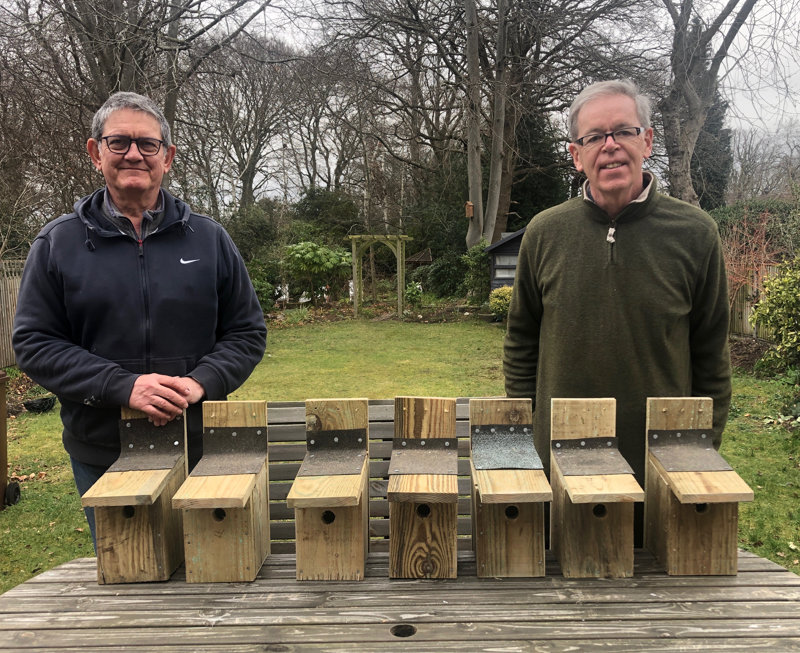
x,y
162,398
196,391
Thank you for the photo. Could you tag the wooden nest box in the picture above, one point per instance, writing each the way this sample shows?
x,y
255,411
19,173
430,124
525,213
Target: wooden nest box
x,y
225,500
692,509
138,534
423,489
330,494
509,489
594,489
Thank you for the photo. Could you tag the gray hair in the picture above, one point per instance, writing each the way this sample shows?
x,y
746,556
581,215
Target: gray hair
x,y
611,87
127,100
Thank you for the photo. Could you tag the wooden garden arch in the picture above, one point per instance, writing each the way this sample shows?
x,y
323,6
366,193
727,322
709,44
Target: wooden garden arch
x,y
359,245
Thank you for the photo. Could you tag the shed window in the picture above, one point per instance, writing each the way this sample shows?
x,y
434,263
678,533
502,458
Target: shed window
x,y
504,273
506,259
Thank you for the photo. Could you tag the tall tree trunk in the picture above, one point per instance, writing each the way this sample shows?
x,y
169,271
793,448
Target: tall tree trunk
x,y
498,155
508,178
680,138
693,84
474,171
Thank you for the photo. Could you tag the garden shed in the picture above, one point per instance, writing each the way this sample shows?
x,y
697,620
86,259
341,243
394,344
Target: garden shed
x,y
503,258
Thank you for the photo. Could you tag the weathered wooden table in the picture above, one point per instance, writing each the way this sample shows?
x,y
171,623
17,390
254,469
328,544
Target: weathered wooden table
x,y
66,610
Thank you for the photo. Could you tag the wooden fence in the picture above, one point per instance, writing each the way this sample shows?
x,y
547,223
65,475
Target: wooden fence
x,y
10,276
743,306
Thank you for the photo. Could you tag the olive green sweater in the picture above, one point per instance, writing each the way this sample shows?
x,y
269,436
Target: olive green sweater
x,y
644,316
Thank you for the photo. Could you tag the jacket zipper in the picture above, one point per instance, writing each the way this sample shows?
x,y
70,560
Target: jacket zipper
x,y
611,239
146,298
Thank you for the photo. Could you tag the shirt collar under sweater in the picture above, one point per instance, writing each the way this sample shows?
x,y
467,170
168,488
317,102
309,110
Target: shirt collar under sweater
x,y
649,182
151,220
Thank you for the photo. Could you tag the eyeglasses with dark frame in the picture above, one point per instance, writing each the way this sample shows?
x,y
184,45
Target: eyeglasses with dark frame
x,y
121,144
621,135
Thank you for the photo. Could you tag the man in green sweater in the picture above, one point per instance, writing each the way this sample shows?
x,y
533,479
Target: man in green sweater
x,y
621,292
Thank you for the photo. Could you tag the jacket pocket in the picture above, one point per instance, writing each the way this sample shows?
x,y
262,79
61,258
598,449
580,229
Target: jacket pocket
x,y
178,366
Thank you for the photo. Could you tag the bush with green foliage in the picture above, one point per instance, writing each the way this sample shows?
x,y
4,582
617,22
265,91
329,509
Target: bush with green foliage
x,y
789,396
317,269
253,228
500,301
444,277
261,278
782,224
477,281
414,293
295,316
779,311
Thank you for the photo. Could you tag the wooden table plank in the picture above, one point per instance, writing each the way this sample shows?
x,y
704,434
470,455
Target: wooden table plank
x,y
508,646
297,634
65,610
198,610
627,646
278,571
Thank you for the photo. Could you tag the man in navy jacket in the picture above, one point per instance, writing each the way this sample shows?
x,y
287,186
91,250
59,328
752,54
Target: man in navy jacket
x,y
134,300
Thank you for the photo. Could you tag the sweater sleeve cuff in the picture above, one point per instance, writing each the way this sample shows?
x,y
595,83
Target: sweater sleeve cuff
x,y
119,388
209,379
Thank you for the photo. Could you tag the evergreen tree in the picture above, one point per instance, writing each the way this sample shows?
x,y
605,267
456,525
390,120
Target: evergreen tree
x,y
543,171
713,158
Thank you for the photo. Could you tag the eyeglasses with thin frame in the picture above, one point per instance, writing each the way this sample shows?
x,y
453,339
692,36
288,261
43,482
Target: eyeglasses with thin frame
x,y
121,144
619,136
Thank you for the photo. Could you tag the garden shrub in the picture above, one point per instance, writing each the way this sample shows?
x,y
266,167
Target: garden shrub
x,y
779,311
499,302
261,278
477,280
317,269
295,316
253,228
444,277
325,215
414,294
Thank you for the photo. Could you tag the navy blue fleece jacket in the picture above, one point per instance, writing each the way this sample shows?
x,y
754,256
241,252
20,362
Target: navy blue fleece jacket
x,y
97,308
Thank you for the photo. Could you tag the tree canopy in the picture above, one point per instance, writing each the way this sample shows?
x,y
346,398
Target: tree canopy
x,y
297,120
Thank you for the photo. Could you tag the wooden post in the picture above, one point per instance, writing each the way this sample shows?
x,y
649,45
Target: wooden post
x,y
591,526
357,281
225,500
400,256
691,509
508,490
3,440
423,489
138,534
330,494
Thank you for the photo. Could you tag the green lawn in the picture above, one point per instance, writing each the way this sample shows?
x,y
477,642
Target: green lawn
x,y
380,360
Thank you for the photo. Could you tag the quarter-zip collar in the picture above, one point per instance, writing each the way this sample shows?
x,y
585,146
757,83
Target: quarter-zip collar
x,y
637,209
96,221
649,184
150,219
